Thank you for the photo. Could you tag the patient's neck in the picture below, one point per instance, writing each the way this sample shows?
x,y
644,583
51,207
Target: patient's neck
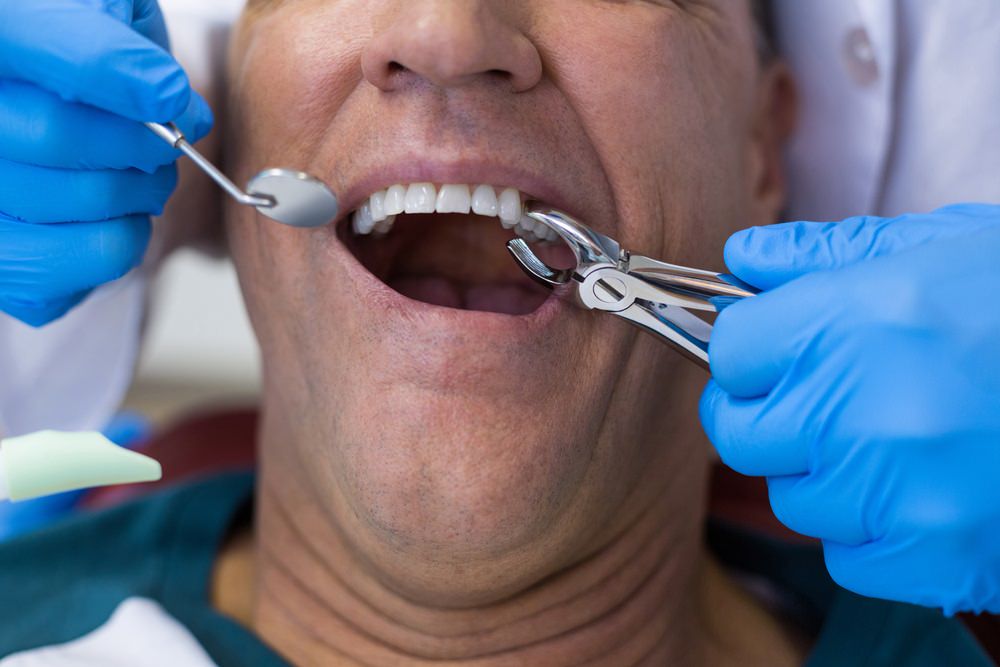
x,y
651,597
316,604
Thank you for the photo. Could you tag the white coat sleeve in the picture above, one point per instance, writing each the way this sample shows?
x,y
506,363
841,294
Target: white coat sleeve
x,y
73,373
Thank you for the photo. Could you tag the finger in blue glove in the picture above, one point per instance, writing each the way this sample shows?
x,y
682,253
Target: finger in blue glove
x,y
45,270
38,128
83,52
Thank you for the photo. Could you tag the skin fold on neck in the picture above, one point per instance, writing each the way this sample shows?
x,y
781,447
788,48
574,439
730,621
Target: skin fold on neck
x,y
652,596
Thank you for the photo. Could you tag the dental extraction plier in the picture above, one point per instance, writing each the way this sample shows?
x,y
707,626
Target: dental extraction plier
x,y
653,295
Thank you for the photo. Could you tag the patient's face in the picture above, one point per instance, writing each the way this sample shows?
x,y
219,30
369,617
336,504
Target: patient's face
x,y
444,409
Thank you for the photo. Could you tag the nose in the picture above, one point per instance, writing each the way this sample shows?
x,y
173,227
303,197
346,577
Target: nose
x,y
450,44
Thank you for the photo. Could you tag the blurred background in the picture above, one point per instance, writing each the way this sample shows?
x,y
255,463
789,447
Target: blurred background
x,y
199,351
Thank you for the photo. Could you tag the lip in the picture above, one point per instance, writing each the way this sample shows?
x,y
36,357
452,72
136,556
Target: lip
x,y
406,170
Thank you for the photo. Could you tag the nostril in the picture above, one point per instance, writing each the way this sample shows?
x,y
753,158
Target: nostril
x,y
451,48
391,75
396,73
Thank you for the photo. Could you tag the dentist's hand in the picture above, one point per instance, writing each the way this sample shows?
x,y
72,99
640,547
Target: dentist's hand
x,y
79,173
864,383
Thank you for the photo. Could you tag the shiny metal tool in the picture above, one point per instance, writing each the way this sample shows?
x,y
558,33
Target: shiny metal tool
x,y
290,197
653,295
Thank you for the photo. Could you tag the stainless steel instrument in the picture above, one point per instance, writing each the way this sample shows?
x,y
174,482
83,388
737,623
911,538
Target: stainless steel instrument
x,y
653,295
288,196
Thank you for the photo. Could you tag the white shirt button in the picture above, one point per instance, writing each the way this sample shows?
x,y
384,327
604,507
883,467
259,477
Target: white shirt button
x,y
860,56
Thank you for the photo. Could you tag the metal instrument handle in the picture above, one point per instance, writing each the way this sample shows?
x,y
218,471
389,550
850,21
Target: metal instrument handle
x,y
711,291
171,134
679,328
660,298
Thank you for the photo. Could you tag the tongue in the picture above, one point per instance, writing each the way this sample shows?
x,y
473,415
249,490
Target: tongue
x,y
507,299
435,291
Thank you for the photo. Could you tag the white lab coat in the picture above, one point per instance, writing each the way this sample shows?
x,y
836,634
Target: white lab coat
x,y
900,104
901,112
72,374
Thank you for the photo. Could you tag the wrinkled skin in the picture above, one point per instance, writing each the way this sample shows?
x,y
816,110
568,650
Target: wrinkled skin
x,y
451,460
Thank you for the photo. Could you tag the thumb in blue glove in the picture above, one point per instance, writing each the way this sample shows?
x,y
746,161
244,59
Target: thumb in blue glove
x,y
80,175
865,385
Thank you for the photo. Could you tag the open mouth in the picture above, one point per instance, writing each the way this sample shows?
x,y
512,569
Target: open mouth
x,y
445,245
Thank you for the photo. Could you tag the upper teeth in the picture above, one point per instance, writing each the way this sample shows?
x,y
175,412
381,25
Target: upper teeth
x,y
379,211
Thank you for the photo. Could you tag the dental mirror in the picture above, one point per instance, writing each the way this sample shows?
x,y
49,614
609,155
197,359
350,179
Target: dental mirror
x,y
291,197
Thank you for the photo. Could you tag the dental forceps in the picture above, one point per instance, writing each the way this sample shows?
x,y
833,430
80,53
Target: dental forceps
x,y
653,295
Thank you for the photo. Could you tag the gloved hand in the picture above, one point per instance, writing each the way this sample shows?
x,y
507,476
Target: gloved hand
x,y
79,174
864,383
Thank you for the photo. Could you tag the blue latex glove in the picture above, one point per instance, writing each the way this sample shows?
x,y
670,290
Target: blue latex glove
x,y
79,175
865,385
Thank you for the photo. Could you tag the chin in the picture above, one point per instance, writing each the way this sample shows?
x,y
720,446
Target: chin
x,y
443,388
453,479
